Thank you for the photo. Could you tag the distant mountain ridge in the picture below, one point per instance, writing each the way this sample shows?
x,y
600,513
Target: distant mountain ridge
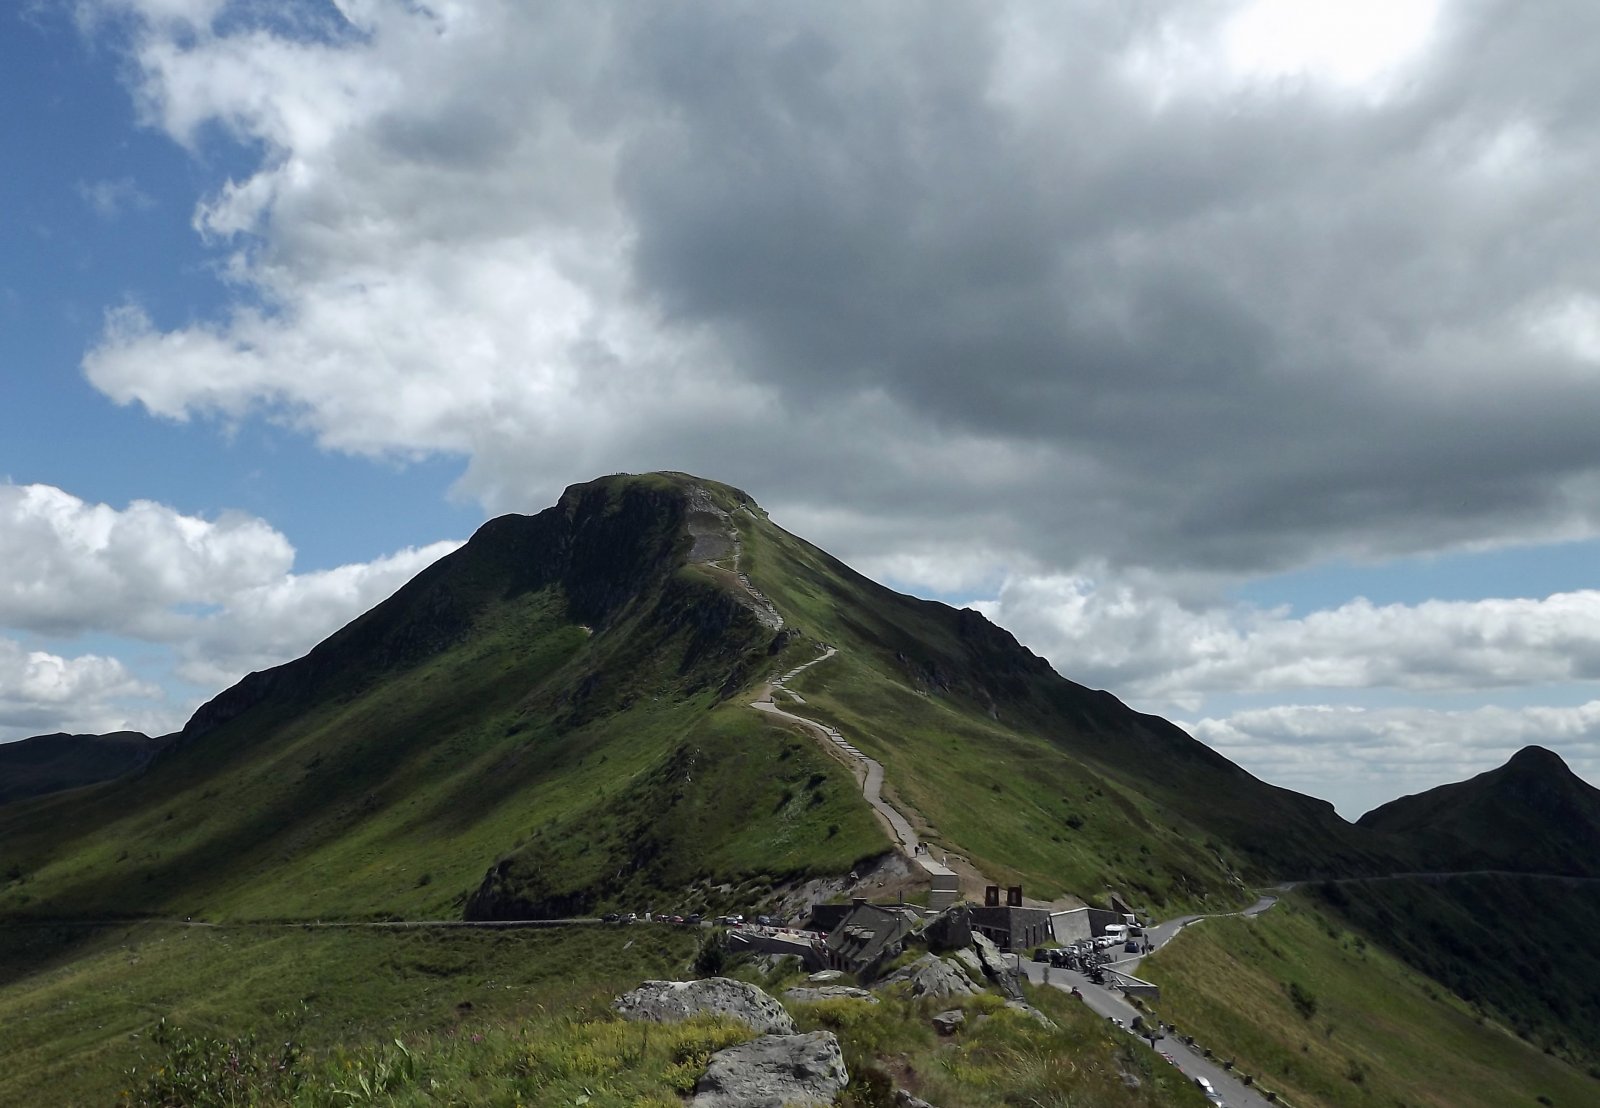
x,y
1531,815
51,763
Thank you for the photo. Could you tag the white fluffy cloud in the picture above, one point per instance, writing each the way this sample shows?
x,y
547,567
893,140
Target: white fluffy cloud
x,y
1156,649
71,566
1361,757
217,597
86,694
281,619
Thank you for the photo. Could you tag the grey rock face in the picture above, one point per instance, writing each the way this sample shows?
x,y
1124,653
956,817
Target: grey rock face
x,y
774,1071
1029,1010
931,975
971,961
830,992
903,1099
824,977
672,1001
996,966
948,1023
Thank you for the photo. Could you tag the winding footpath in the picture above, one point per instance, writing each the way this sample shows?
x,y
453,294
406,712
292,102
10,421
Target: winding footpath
x,y
872,776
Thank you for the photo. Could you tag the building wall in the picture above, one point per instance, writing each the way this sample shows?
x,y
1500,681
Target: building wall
x,y
1013,928
1082,923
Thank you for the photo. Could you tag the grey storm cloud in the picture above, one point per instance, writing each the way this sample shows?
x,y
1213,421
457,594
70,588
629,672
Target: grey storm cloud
x,y
1266,322
1051,276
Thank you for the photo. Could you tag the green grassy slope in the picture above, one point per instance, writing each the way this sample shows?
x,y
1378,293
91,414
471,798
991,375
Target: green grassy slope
x,y
79,1008
1318,1014
1519,948
562,704
558,685
1037,778
496,1018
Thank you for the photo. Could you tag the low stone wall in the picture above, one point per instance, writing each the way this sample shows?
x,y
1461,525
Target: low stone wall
x,y
777,943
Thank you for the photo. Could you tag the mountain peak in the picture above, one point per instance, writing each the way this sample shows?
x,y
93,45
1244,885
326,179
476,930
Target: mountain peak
x,y
1532,814
1538,759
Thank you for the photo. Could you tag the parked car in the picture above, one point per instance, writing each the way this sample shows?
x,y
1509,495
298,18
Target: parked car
x,y
1206,1087
1130,947
693,920
611,917
630,917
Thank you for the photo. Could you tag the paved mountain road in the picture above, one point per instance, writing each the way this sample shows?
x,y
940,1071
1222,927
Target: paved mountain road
x,y
1161,934
1105,1002
872,777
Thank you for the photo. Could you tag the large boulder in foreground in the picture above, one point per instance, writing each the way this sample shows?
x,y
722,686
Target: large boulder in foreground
x,y
673,1001
774,1071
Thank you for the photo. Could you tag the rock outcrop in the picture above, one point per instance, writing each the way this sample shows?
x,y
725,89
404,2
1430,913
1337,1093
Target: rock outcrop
x,y
1033,1013
948,1023
932,976
672,1001
996,967
829,992
972,963
774,1071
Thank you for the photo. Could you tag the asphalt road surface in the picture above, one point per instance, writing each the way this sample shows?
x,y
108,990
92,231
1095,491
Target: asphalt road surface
x,y
1112,1005
1163,933
871,782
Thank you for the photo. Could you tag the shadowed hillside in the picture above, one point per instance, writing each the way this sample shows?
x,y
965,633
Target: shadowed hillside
x,y
559,677
562,705
51,763
1532,815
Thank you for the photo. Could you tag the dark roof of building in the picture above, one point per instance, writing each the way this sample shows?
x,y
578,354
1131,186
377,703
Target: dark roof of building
x,y
862,937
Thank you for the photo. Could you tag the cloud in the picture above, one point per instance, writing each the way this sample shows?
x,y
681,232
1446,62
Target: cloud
x,y
110,199
1081,268
282,619
1094,308
73,567
1154,648
1368,756
220,593
40,691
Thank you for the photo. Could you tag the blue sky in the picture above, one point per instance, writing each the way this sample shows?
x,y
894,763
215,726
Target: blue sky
x,y
1240,358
